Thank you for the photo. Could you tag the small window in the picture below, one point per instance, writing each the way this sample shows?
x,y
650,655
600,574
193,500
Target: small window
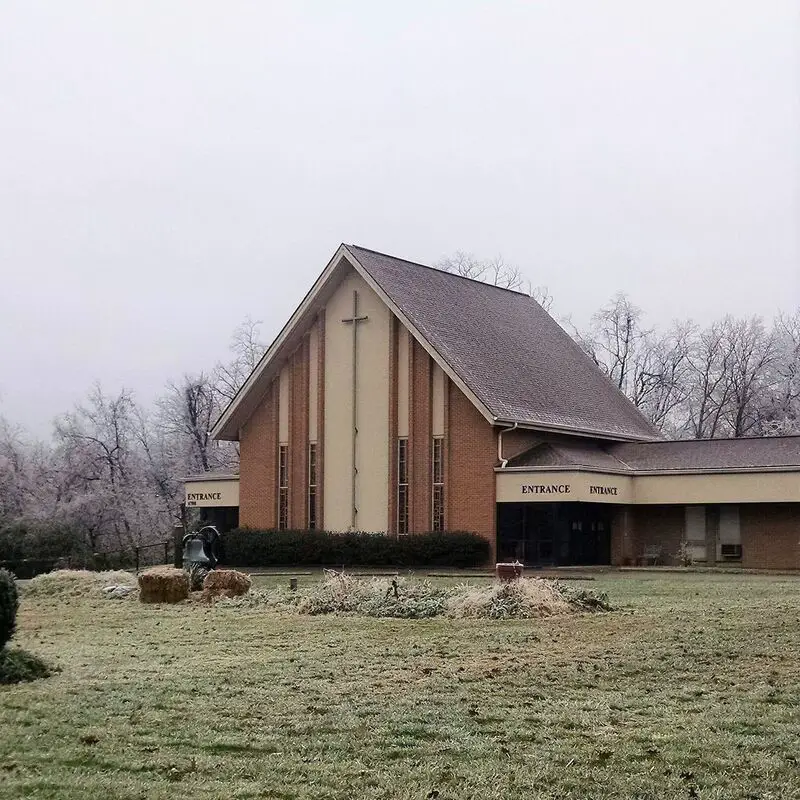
x,y
402,486
312,486
730,534
438,483
283,487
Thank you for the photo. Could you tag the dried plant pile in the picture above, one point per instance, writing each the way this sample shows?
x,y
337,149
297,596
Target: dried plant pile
x,y
64,583
221,583
163,585
344,594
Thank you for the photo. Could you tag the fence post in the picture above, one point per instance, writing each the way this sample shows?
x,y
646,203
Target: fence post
x,y
177,542
136,551
166,552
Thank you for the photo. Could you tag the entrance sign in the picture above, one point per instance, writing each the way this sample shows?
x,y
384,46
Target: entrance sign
x,y
563,487
214,493
538,488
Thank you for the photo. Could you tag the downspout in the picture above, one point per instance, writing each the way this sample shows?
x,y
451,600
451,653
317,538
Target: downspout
x,y
503,461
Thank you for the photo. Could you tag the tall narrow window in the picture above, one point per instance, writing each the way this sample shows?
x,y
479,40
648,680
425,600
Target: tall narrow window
x,y
402,486
438,483
312,486
283,487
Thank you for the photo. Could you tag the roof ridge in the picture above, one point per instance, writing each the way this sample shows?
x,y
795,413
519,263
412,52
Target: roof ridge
x,y
441,271
706,441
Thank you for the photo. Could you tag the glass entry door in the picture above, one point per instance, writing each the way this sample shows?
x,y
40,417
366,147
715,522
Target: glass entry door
x,y
553,534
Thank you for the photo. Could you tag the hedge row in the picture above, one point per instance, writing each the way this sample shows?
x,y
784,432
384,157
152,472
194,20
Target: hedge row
x,y
244,547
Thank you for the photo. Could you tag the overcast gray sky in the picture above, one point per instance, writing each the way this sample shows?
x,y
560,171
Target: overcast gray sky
x,y
167,168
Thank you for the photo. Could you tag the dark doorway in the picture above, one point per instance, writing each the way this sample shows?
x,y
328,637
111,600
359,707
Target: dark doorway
x,y
224,518
552,534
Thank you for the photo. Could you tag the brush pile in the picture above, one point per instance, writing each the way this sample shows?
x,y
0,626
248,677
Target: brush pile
x,y
221,583
163,585
68,583
525,598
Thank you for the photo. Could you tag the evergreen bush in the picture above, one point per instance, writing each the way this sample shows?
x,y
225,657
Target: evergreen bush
x,y
244,547
9,602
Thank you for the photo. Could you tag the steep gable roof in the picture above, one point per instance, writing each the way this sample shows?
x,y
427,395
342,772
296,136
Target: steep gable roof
x,y
516,359
500,347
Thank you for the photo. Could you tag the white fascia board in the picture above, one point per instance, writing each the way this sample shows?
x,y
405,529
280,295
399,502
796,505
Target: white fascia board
x,y
266,359
567,468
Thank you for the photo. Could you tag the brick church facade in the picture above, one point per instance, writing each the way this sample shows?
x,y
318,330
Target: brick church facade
x,y
401,399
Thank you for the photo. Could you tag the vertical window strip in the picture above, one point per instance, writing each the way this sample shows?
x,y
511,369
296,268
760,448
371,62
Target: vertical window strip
x,y
437,472
402,486
283,487
312,486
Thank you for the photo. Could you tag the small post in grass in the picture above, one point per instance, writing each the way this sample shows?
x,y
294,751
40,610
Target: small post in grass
x,y
293,584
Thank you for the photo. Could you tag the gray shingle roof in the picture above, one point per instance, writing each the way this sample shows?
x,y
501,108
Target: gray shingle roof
x,y
682,455
507,349
565,455
729,454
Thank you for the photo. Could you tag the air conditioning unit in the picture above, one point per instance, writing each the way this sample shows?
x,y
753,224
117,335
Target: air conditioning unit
x,y
731,552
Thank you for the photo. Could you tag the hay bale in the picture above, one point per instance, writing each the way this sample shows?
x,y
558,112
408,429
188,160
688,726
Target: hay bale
x,y
163,585
225,583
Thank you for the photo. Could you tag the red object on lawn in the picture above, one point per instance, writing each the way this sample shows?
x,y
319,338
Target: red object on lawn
x,y
509,571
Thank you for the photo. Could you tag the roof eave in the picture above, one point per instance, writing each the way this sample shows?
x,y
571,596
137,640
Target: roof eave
x,y
574,431
417,334
643,473
225,428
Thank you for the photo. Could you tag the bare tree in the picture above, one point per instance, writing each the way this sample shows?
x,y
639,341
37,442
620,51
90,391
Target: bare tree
x,y
750,376
247,349
494,270
781,414
617,343
541,294
101,487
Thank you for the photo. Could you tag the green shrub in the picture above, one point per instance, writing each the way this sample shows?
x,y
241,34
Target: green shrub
x,y
18,666
245,547
9,603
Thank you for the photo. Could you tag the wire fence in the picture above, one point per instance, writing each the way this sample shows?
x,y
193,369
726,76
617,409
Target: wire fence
x,y
135,558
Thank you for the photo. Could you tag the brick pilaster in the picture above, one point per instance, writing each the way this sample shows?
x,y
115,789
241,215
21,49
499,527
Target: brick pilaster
x,y
472,455
298,437
258,448
420,439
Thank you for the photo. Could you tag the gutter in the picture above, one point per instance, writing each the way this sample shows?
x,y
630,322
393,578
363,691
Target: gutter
x,y
503,461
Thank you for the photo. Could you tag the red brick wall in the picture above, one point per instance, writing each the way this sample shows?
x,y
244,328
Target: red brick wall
x,y
770,535
298,437
471,458
419,479
657,526
623,538
396,331
258,448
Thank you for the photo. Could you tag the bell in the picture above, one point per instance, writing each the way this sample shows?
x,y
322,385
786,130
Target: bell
x,y
194,553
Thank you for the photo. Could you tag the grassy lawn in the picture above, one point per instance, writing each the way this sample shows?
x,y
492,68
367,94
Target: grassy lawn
x,y
690,689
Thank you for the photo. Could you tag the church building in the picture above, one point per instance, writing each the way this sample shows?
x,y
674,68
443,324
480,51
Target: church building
x,y
401,399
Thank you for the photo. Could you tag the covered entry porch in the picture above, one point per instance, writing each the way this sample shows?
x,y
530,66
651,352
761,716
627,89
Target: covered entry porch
x,y
558,517
554,534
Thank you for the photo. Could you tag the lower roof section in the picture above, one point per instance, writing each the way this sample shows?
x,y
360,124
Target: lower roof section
x,y
683,455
